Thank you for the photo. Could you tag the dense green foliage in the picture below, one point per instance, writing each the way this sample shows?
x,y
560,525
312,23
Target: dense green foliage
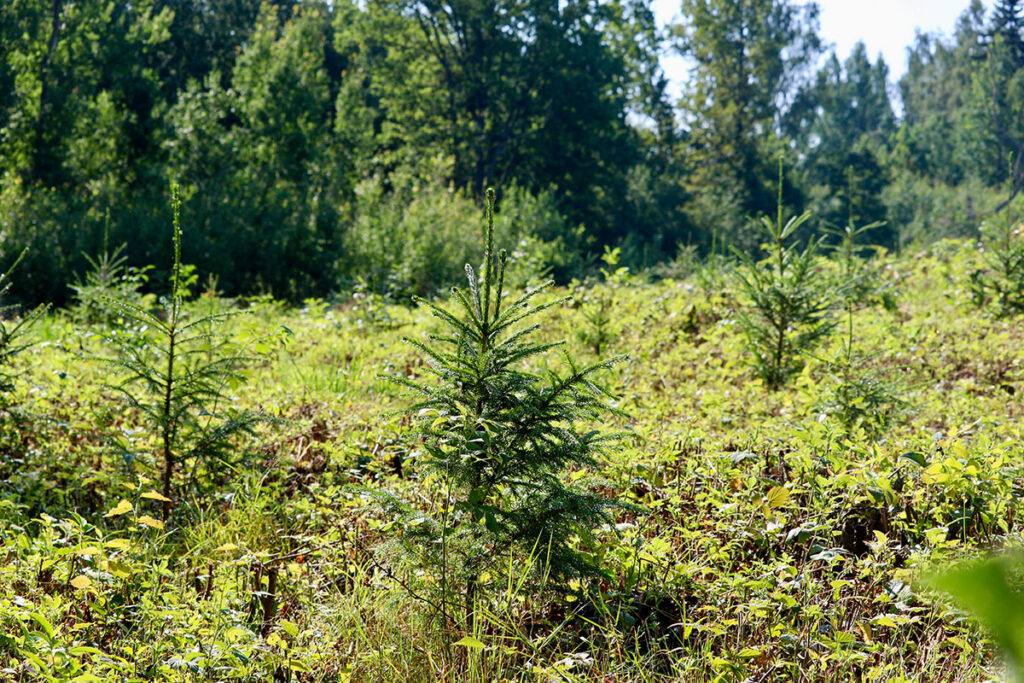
x,y
201,479
301,131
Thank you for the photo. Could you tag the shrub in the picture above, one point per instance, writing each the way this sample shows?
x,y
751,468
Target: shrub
x,y
409,241
498,441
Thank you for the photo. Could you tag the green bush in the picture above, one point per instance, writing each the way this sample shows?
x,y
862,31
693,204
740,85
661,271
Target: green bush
x,y
409,241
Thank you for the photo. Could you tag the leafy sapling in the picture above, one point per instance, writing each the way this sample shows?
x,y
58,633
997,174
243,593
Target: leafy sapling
x,y
789,302
177,376
498,442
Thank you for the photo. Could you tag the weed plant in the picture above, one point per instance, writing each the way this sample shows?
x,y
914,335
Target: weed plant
x,y
497,442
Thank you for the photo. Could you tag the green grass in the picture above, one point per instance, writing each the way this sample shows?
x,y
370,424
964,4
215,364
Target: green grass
x,y
776,546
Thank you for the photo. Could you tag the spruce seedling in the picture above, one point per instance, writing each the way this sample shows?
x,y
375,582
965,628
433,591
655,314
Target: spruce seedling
x,y
859,396
498,441
176,377
12,335
1002,280
789,301
109,277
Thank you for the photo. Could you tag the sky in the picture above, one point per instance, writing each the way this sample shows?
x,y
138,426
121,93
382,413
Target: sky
x,y
887,27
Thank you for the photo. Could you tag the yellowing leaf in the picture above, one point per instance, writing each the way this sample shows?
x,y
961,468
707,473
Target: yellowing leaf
x,y
119,544
88,550
777,497
234,633
471,642
81,581
120,509
119,569
153,495
150,522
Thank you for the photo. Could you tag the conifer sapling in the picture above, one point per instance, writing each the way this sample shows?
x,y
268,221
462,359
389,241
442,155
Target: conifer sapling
x,y
173,369
498,441
790,302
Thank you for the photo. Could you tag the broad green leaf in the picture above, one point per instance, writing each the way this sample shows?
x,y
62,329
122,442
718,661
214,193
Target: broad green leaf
x,y
916,458
119,569
986,590
43,622
470,642
777,497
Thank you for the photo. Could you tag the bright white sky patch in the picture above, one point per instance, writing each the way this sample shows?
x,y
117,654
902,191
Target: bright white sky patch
x,y
886,26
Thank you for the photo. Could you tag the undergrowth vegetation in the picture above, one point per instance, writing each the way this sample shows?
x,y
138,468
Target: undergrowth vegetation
x,y
771,521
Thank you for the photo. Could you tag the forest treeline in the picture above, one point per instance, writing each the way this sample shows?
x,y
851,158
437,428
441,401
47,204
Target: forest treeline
x,y
322,146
